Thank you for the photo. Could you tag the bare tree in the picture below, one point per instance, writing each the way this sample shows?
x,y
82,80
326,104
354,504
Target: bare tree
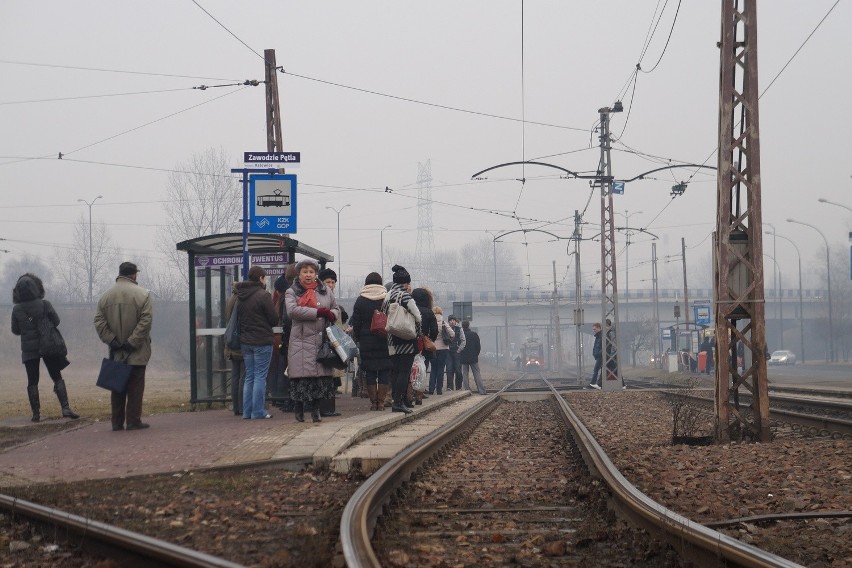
x,y
73,263
203,199
642,336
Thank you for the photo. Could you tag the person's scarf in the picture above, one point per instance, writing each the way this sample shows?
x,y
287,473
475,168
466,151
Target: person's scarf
x,y
309,298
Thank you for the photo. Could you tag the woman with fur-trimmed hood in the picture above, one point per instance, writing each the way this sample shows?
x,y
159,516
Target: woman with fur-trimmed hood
x,y
30,309
311,307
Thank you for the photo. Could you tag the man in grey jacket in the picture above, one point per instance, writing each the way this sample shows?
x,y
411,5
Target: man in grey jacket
x,y
123,321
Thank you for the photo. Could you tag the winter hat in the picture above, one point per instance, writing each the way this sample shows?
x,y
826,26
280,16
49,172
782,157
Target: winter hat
x,y
400,275
306,262
127,269
327,273
373,278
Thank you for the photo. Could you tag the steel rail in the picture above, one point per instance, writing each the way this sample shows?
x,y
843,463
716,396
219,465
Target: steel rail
x,y
827,424
156,552
362,511
715,548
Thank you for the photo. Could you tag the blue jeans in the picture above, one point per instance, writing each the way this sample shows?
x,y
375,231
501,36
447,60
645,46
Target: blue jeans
x,y
257,359
596,373
436,373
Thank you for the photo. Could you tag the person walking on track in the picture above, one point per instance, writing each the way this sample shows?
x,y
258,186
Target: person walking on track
x,y
123,321
597,353
27,315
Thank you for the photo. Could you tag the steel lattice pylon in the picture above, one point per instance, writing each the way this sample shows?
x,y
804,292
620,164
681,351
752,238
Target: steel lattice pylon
x,y
738,263
610,370
425,250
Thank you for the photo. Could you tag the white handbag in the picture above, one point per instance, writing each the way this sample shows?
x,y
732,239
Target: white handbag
x,y
400,322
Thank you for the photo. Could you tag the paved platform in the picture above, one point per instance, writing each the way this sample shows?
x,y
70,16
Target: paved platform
x,y
201,440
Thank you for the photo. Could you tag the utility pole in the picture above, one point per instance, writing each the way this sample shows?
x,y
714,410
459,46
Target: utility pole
x,y
273,112
557,331
659,341
685,287
609,281
738,266
578,296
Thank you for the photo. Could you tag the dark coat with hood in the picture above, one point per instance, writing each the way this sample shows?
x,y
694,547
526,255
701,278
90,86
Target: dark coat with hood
x,y
307,331
428,321
257,314
372,348
30,308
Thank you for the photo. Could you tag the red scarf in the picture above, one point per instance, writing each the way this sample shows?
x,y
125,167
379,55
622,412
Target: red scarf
x,y
309,298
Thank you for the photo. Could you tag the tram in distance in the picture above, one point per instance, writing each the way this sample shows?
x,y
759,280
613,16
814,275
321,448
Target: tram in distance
x,y
532,354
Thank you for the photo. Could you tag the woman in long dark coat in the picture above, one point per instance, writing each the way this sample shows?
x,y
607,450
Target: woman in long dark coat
x,y
311,307
429,327
30,308
373,355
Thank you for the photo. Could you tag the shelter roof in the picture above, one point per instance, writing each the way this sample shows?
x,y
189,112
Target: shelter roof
x,y
232,243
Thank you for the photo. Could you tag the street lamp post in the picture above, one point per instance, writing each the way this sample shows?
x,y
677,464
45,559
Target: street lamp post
x,y
828,273
339,261
801,303
822,200
91,271
496,328
382,248
776,272
781,318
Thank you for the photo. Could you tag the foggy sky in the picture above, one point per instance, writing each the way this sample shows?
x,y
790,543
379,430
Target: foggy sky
x,y
577,57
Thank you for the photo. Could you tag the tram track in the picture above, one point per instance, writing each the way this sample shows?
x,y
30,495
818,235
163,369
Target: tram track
x,y
100,540
816,416
528,520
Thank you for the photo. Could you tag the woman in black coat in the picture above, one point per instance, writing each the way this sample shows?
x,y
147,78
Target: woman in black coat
x,y
30,309
373,355
429,327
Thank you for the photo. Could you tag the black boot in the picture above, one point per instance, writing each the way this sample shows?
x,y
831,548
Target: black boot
x,y
32,393
398,406
315,411
299,409
62,395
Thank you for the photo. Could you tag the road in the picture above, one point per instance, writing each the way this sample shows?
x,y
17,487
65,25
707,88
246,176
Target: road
x,y
813,374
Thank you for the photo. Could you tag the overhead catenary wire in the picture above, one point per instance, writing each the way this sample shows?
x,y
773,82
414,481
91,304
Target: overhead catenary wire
x,y
125,71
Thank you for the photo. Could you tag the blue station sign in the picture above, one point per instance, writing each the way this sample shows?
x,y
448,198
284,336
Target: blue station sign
x,y
272,204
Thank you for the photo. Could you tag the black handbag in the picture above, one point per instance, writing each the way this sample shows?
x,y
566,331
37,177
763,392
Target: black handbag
x,y
51,344
327,355
114,375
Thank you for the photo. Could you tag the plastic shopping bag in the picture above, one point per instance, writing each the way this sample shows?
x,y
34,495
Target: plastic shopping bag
x,y
342,343
418,373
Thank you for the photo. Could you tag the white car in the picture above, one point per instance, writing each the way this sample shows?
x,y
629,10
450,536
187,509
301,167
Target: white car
x,y
782,358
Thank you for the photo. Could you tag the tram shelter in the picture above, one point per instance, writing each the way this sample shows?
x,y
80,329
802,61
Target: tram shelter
x,y
215,263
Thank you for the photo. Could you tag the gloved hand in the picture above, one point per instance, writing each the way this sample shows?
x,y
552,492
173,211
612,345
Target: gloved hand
x,y
127,346
115,344
327,314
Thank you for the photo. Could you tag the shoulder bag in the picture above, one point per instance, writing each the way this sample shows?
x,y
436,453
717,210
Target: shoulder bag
x,y
114,375
50,341
378,323
425,344
400,321
232,332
